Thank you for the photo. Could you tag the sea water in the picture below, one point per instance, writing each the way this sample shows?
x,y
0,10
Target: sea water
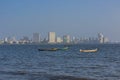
x,y
25,62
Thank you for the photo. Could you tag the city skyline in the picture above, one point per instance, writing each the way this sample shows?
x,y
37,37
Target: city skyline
x,y
53,38
47,35
73,17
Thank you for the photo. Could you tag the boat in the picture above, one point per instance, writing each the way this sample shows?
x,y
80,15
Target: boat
x,y
52,49
48,49
89,50
65,48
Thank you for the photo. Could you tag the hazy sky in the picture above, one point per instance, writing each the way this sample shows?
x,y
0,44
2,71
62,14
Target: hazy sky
x,y
74,17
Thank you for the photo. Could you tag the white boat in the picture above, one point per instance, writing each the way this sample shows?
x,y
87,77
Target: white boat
x,y
89,50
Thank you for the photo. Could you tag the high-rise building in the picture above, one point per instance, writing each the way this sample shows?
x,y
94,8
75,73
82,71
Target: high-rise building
x,y
101,38
51,37
36,38
66,39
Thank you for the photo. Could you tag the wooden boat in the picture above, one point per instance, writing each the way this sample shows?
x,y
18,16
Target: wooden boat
x,y
48,49
89,50
53,49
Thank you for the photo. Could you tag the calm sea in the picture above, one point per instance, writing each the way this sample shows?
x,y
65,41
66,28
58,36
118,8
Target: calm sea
x,y
25,62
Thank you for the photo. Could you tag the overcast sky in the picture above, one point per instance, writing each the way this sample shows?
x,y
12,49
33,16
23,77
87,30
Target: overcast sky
x,y
80,18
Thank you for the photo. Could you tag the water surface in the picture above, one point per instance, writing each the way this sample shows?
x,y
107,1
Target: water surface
x,y
25,62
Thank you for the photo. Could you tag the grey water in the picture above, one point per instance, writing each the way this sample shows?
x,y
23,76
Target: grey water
x,y
25,62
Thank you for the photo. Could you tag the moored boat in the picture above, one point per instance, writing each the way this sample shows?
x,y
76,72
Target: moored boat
x,y
52,49
48,49
89,50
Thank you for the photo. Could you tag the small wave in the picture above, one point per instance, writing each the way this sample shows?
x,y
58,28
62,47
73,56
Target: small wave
x,y
13,72
41,75
68,78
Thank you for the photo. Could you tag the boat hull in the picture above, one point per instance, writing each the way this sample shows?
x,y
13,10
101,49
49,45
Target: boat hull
x,y
92,50
52,49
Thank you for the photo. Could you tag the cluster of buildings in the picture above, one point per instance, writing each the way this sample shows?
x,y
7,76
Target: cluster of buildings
x,y
54,39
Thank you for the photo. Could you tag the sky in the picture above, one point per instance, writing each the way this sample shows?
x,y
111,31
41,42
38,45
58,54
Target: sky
x,y
79,18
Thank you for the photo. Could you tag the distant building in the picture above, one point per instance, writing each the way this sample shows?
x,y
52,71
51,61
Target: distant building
x,y
51,37
5,39
101,38
75,40
24,40
14,39
1,41
59,40
66,39
105,40
10,40
36,38
45,40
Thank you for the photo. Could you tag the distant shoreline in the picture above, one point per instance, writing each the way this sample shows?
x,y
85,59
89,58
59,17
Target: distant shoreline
x,y
63,44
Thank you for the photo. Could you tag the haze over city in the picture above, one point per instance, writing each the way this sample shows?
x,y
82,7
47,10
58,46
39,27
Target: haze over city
x,y
73,17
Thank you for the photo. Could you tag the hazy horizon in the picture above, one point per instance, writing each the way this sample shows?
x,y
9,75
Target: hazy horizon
x,y
74,17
